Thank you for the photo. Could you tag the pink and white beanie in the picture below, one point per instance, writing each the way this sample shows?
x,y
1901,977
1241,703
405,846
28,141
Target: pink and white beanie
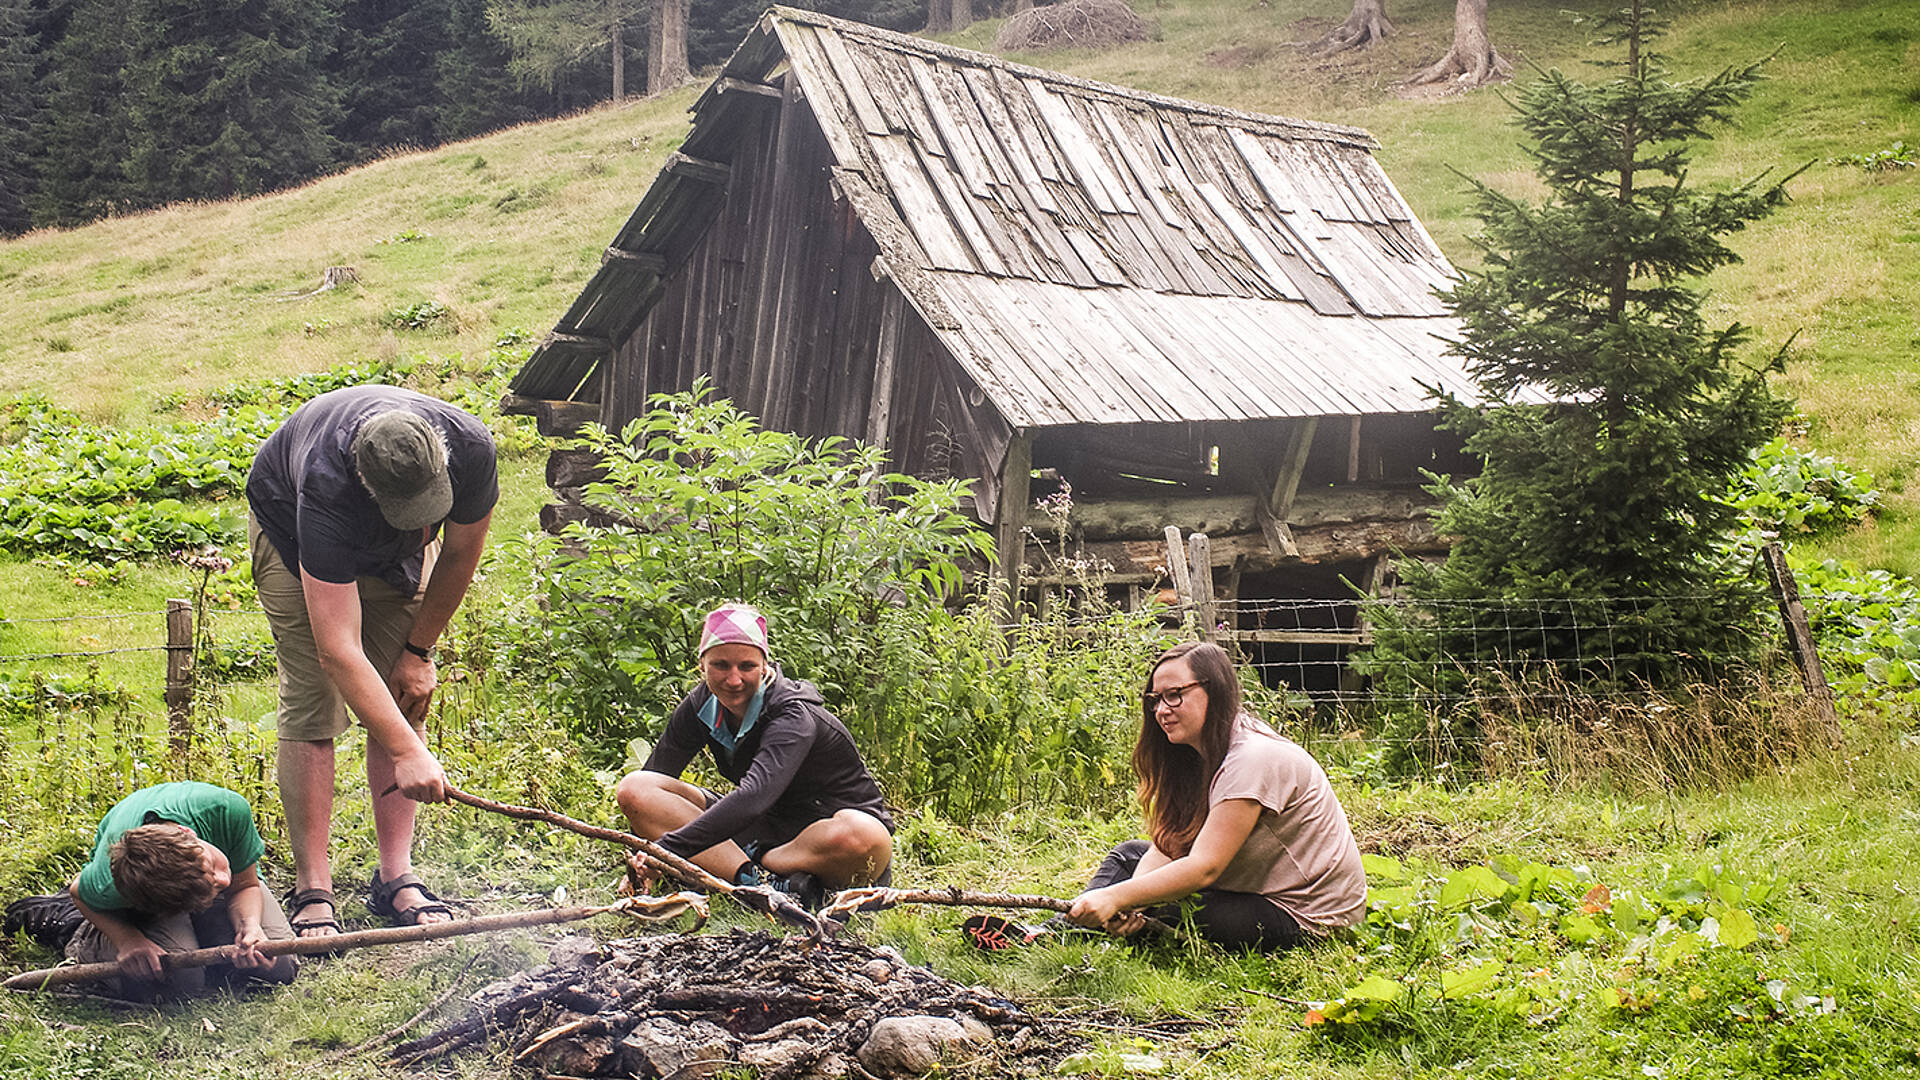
x,y
735,624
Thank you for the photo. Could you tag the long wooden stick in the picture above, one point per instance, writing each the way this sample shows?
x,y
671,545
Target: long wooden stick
x,y
849,901
766,901
664,907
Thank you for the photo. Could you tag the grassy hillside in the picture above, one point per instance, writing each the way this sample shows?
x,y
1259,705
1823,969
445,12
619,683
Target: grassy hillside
x,y
119,317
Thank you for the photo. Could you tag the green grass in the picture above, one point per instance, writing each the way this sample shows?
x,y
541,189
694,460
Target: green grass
x,y
1830,838
120,319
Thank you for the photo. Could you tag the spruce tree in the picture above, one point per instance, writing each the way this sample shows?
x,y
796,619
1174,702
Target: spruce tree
x,y
1587,548
81,135
228,97
20,103
383,62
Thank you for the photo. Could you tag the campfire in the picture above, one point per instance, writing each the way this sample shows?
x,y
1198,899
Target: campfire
x,y
688,1006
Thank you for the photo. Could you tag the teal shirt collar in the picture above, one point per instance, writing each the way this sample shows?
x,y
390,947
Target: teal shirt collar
x,y
728,739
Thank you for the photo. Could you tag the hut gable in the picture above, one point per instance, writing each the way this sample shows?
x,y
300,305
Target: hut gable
x,y
1201,316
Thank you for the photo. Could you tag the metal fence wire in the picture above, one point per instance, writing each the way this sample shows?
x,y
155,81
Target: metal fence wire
x,y
1329,650
1401,651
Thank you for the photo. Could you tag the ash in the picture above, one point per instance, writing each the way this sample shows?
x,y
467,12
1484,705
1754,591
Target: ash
x,y
687,1007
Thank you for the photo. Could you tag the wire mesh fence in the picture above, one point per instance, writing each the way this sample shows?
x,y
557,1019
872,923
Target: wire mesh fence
x,y
1398,651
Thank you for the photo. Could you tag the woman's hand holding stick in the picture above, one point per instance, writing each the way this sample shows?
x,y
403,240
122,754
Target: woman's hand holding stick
x,y
849,901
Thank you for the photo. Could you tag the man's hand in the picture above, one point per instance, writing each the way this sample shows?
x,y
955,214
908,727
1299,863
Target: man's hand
x,y
413,682
247,954
420,777
139,958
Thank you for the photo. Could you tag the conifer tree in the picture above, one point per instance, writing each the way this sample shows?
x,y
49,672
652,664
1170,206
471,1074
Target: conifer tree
x,y
81,135
20,103
227,97
1587,547
383,63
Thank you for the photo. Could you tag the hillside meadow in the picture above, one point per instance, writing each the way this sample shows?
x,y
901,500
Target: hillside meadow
x,y
1757,921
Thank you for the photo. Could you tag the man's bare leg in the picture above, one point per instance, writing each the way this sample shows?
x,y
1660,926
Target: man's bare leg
x,y
393,819
306,793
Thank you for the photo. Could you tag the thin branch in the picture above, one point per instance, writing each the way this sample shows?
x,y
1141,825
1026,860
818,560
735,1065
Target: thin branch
x,y
393,1033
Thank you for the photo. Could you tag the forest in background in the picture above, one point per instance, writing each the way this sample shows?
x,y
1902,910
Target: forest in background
x,y
116,106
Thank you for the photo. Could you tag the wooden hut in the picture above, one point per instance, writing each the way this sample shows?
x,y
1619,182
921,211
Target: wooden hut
x,y
1192,315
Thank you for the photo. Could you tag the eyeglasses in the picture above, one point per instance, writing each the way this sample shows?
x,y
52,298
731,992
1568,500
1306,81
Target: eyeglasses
x,y
1170,697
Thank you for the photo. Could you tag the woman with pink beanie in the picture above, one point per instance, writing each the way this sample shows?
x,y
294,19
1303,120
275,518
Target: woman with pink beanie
x,y
805,815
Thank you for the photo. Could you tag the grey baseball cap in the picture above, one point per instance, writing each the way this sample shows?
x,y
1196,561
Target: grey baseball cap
x,y
402,460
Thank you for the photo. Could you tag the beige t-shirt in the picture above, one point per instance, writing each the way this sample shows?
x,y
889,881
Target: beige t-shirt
x,y
1301,853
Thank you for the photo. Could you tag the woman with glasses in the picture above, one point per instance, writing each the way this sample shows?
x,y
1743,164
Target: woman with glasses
x,y
1238,817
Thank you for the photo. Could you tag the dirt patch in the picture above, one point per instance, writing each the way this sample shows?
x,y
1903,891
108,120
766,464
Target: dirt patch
x,y
1074,24
1418,834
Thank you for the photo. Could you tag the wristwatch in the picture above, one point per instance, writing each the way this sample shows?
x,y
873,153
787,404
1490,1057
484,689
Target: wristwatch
x,y
422,653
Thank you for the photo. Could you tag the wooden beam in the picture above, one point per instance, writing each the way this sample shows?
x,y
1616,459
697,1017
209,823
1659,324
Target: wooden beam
x,y
1224,514
560,338
1010,520
727,84
1318,544
648,261
1353,451
1286,483
1276,503
885,363
1200,568
1177,566
697,169
554,419
574,469
1303,637
1800,642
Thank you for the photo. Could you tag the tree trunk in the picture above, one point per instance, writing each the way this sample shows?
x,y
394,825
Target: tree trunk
x,y
667,46
1366,24
939,16
618,41
1472,61
962,14
1018,6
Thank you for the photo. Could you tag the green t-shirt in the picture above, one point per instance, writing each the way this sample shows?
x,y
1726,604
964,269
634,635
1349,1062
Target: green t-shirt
x,y
218,816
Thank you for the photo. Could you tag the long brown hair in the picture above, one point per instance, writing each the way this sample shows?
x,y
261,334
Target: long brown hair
x,y
1174,779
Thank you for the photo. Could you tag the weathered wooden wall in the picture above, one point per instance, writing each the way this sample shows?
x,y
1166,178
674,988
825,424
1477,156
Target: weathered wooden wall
x,y
779,306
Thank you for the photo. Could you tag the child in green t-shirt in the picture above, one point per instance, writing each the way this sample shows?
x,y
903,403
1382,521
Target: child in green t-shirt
x,y
175,867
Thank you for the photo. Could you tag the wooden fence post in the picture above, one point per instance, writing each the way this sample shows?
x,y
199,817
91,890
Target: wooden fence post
x,y
1799,635
1200,568
179,695
1177,570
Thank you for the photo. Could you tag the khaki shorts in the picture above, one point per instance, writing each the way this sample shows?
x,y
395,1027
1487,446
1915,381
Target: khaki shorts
x,y
311,709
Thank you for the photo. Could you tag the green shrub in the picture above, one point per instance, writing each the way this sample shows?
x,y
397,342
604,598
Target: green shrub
x,y
417,316
702,506
1791,491
1896,156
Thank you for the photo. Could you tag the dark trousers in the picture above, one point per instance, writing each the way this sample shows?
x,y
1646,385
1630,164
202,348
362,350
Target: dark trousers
x,y
1232,920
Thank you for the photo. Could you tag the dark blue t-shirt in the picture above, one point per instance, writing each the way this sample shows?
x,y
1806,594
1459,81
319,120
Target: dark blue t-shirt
x,y
310,505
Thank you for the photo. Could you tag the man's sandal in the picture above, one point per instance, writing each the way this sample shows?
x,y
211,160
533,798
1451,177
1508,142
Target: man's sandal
x,y
298,901
380,896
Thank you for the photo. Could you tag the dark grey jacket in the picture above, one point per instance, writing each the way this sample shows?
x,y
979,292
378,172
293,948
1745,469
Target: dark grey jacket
x,y
796,766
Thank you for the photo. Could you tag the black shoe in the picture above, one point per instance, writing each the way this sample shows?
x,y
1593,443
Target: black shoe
x,y
49,920
806,889
997,933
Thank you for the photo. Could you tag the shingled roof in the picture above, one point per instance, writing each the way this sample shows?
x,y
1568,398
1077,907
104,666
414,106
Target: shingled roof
x,y
1086,253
